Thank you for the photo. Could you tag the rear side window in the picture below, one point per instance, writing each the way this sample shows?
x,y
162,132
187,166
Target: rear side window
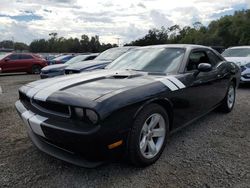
x,y
14,57
24,56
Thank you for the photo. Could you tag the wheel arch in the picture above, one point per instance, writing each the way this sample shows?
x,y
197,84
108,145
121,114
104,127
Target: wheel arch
x,y
33,65
163,102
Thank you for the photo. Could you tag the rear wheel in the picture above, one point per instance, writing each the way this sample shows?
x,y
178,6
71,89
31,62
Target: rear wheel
x,y
36,69
228,102
148,136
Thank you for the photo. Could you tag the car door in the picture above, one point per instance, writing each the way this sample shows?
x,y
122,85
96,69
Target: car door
x,y
200,93
10,63
25,62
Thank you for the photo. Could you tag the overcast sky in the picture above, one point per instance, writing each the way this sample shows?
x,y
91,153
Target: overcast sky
x,y
26,20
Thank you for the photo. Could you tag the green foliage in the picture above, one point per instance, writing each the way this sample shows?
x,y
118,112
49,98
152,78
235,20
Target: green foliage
x,y
70,45
14,45
227,31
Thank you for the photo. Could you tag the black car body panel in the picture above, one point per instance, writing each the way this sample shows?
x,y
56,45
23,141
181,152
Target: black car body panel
x,y
116,97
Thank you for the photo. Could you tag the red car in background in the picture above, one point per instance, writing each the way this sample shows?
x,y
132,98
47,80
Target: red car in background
x,y
21,62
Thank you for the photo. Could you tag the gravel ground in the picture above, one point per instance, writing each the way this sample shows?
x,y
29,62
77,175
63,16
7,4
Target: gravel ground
x,y
212,152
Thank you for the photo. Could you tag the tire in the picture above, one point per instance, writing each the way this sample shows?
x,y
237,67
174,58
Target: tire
x,y
36,69
140,154
229,100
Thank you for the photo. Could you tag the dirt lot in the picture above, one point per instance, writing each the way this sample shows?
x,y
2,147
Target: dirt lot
x,y
213,152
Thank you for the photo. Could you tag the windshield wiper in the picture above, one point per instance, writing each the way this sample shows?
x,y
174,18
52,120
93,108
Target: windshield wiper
x,y
132,70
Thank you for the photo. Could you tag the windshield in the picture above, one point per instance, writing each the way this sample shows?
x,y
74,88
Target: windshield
x,y
60,57
163,60
3,55
237,52
111,54
76,59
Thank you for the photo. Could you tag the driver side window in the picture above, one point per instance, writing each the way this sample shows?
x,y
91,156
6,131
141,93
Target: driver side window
x,y
196,58
14,57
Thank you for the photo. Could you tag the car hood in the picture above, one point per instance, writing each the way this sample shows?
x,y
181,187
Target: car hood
x,y
52,68
86,64
240,61
91,85
101,90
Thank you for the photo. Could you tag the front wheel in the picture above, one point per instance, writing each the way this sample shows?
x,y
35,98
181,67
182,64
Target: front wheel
x,y
148,136
228,102
36,69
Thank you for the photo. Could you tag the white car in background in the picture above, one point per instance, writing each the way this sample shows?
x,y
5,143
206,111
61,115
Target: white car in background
x,y
241,56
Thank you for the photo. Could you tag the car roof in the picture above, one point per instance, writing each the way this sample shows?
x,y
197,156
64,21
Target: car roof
x,y
17,53
189,46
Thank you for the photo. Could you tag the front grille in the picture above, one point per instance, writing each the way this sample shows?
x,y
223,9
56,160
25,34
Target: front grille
x,y
71,71
242,68
52,107
24,99
47,107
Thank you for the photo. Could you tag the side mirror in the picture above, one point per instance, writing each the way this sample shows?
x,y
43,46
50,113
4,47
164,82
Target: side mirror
x,y
204,67
6,59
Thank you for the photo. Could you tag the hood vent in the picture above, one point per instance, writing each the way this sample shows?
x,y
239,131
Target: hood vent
x,y
123,76
119,76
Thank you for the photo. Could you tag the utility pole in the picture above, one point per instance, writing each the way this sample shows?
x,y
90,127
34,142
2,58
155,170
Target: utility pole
x,y
13,43
118,41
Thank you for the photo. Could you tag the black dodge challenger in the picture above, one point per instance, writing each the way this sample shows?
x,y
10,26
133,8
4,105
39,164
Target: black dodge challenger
x,y
130,108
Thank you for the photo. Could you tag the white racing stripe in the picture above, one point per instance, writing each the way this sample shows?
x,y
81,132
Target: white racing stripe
x,y
46,84
35,124
26,115
176,82
43,94
169,84
172,83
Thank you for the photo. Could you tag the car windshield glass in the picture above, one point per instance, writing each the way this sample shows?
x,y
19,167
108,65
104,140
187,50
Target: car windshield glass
x,y
111,54
3,55
76,59
237,52
60,57
162,60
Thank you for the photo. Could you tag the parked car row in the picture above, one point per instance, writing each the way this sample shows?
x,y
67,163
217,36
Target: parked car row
x,y
70,63
130,107
58,69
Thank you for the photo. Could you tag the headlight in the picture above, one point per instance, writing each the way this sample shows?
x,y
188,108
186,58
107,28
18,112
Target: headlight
x,y
79,112
92,116
88,114
247,65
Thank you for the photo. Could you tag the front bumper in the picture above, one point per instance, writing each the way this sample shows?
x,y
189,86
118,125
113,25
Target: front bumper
x,y
245,76
62,143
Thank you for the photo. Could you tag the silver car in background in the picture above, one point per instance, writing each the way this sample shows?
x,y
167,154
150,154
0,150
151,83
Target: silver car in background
x,y
241,56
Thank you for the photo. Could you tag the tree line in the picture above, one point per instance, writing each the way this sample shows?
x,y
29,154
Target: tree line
x,y
71,45
231,30
57,44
